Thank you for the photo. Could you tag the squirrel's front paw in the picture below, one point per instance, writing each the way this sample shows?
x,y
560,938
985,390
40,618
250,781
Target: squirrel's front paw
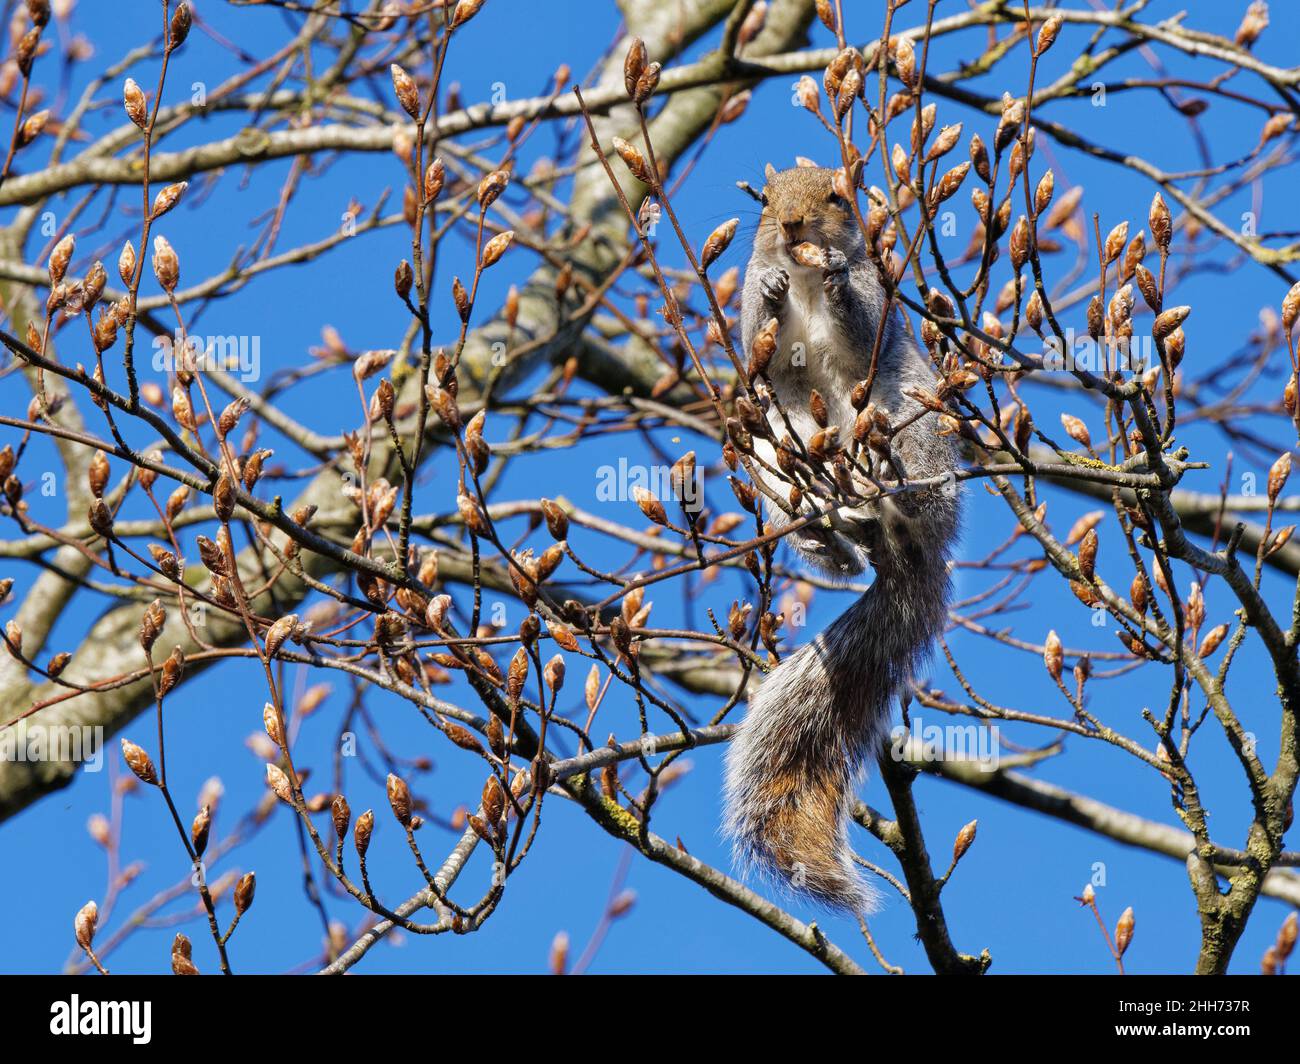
x,y
835,273
774,283
827,550
861,527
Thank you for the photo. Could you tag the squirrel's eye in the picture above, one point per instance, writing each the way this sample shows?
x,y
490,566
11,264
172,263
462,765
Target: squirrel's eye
x,y
763,199
836,200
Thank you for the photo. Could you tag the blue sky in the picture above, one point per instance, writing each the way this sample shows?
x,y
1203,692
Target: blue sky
x,y
1013,892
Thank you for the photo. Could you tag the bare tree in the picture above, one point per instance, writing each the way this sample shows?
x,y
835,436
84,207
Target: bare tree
x,y
187,545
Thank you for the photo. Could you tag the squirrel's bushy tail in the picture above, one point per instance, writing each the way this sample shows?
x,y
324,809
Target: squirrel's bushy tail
x,y
815,720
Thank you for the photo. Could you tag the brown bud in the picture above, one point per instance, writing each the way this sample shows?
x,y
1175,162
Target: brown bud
x,y
167,198
100,518
60,257
1146,283
1213,638
491,187
948,185
211,555
97,474
182,963
1286,936
244,891
25,51
647,83
1047,35
1115,242
559,958
133,98
904,61
649,505
166,266
554,673
199,830
399,797
496,737
944,143
32,127
718,242
368,363
465,10
634,64
634,161
139,762
557,521
1124,931
341,813
1279,539
1176,346
1010,123
471,514
279,632
1169,320
180,26
1076,430
172,670
407,94
151,624
563,636
83,925
807,95
223,498
435,175
979,157
482,830
436,611
1053,655
464,738
126,263
461,298
493,800
271,722
229,417
1019,243
1159,222
279,783
496,247
1277,477
361,833
385,398
403,279
963,841
1088,554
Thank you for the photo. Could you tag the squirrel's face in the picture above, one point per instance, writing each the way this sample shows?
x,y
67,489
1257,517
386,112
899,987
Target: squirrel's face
x,y
801,205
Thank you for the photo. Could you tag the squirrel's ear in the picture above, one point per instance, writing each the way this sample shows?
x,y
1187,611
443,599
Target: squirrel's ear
x,y
769,171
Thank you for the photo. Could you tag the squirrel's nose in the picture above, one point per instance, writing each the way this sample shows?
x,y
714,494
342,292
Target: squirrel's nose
x,y
793,228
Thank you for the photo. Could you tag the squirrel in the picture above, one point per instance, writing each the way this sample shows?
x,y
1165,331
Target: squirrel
x,y
825,709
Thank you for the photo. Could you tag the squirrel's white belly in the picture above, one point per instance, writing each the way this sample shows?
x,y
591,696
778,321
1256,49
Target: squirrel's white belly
x,y
813,343
809,321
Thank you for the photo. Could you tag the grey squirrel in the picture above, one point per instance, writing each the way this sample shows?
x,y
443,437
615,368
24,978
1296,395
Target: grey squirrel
x,y
820,714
